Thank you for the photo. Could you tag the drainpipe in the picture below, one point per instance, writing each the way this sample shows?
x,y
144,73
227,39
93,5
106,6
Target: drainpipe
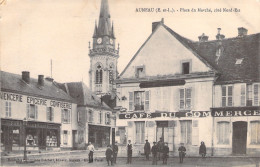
x,y
213,122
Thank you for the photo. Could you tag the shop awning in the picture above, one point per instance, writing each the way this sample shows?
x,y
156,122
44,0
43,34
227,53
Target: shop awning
x,y
162,83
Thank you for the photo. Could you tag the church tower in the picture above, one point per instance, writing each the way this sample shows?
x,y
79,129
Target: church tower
x,y
103,54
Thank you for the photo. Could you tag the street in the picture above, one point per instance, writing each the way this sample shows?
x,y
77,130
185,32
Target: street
x,y
81,159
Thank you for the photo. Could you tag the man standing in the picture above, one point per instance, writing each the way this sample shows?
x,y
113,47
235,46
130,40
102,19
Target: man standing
x,y
165,153
129,152
182,151
109,153
160,148
115,151
154,153
90,148
147,149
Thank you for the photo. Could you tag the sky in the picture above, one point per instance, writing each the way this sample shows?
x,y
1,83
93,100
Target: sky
x,y
32,33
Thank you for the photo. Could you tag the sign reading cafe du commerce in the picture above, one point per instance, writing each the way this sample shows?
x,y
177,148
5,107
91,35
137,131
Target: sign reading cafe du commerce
x,y
215,112
34,100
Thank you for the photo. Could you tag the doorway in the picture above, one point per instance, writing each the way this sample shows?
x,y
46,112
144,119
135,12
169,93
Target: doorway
x,y
239,137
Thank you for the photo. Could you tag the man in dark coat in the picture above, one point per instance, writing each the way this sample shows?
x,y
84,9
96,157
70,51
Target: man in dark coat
x,y
182,151
115,151
147,149
129,152
202,150
165,153
160,148
109,153
154,153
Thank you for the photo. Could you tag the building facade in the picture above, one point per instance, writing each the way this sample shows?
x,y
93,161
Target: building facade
x,y
187,92
96,122
103,54
48,112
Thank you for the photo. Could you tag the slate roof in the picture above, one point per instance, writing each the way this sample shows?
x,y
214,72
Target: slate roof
x,y
246,48
83,95
13,83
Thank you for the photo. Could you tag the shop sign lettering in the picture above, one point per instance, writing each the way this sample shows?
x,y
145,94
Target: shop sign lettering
x,y
236,111
164,115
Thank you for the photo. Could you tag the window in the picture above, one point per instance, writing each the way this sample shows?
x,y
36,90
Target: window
x,y
255,132
90,116
140,71
100,117
65,137
186,131
162,131
256,94
249,96
140,133
8,110
32,111
99,74
227,96
243,95
223,132
139,100
50,114
185,67
108,119
185,98
65,116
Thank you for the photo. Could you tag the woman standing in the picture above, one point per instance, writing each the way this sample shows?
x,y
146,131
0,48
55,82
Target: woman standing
x,y
202,150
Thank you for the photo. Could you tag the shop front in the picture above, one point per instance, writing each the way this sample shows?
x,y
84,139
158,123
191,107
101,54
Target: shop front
x,y
38,135
99,135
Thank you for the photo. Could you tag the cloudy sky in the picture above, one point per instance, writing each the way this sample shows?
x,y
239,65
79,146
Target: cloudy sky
x,y
34,32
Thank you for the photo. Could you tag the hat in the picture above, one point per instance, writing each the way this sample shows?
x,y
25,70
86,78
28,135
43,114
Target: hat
x,y
154,142
146,140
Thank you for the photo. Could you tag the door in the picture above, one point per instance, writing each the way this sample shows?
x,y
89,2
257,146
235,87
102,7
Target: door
x,y
74,140
239,137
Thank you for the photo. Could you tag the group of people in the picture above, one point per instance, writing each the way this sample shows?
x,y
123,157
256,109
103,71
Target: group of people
x,y
159,150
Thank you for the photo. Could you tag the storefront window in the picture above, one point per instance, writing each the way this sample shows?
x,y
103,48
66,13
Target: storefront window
x,y
31,137
51,138
255,132
140,132
223,132
186,131
16,136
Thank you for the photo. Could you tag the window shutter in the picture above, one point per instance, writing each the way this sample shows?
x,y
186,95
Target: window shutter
x,y
36,112
195,132
69,116
48,113
181,99
147,101
224,94
243,95
230,95
28,110
62,115
188,98
106,118
52,114
131,99
256,94
10,109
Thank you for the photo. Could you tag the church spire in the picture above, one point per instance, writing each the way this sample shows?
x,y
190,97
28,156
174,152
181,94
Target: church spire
x,y
95,30
104,24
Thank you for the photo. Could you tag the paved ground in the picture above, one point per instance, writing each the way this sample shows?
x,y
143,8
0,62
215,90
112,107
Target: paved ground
x,y
80,159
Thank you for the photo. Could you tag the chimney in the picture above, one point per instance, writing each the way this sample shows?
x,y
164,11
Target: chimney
x,y
41,80
154,25
203,38
26,76
242,31
220,36
49,79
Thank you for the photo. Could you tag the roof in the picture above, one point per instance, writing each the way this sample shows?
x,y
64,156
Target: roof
x,y
83,95
237,59
245,50
13,83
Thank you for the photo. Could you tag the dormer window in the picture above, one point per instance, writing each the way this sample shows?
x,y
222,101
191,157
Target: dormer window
x,y
186,67
140,71
239,61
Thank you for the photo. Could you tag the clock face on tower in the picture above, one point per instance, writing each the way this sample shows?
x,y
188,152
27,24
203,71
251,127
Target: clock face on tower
x,y
99,40
111,41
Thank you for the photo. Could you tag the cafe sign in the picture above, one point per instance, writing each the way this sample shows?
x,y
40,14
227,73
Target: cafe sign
x,y
235,111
